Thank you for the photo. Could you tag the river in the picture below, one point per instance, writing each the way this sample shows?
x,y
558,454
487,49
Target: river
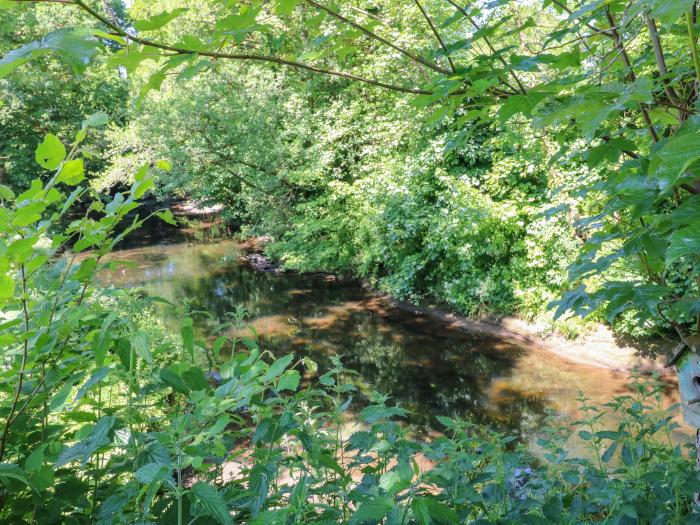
x,y
426,366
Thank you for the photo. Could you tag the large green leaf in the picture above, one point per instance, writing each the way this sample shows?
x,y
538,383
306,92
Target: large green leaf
x,y
208,502
685,241
676,154
50,153
74,46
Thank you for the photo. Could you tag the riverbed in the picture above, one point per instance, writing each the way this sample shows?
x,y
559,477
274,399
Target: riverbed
x,y
423,364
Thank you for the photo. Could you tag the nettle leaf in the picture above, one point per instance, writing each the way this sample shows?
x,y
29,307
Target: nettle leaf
x,y
435,512
50,153
289,380
208,502
372,511
152,473
84,449
157,21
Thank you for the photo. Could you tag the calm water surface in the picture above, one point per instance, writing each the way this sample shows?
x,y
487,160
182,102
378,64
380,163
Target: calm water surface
x,y
427,367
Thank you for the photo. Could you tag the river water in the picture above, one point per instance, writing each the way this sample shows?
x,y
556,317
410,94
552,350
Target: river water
x,y
424,365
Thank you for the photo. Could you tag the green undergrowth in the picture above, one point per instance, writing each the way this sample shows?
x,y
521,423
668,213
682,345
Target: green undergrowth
x,y
107,419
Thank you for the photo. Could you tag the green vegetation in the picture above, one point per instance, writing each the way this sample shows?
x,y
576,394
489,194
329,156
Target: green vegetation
x,y
509,157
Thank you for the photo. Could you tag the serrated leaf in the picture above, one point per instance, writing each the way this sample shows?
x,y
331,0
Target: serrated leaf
x,y
210,503
289,380
372,511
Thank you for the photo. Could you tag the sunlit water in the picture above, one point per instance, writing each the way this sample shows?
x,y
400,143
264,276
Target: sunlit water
x,y
424,365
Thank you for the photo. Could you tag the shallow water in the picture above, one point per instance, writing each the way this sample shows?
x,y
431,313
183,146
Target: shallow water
x,y
423,364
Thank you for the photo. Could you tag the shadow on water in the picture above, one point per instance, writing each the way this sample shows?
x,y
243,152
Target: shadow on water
x,y
421,363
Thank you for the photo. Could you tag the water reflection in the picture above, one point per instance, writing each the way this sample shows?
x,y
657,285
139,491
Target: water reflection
x,y
427,367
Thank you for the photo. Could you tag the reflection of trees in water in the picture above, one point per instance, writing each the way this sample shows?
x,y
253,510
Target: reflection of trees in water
x,y
428,372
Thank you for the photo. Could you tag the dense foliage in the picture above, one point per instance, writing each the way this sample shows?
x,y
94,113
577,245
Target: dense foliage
x,y
108,421
490,155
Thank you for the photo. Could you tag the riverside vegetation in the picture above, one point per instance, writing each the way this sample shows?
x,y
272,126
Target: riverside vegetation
x,y
494,156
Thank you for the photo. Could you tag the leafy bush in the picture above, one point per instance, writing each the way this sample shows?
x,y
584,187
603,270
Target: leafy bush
x,y
107,420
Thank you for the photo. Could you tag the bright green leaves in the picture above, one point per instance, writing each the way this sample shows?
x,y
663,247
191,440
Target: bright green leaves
x,y
131,56
285,7
7,288
75,47
239,25
167,217
157,21
51,152
72,172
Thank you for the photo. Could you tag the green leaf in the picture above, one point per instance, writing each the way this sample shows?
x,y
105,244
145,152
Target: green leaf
x,y
167,216
152,472
209,502
285,7
676,154
608,454
173,380
74,46
7,287
35,460
277,367
97,376
289,381
96,120
669,11
50,153
157,21
685,241
11,471
164,164
372,511
374,413
6,193
72,172
86,448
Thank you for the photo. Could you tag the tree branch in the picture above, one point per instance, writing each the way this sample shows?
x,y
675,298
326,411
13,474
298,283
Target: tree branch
x,y
487,41
628,63
661,61
241,56
378,38
437,35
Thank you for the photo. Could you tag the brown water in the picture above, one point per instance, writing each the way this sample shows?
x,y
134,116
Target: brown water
x,y
427,367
